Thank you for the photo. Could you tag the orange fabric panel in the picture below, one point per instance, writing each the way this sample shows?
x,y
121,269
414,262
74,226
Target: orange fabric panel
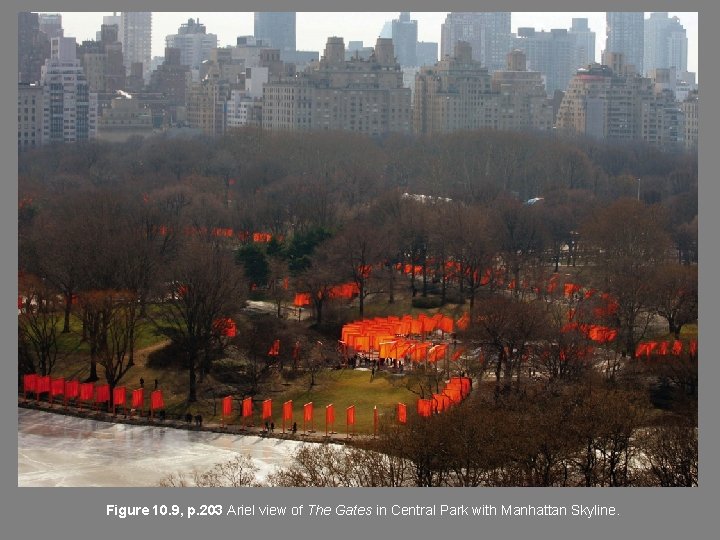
x,y
30,382
57,386
402,413
267,409
119,395
156,400
288,410
247,407
227,406
102,393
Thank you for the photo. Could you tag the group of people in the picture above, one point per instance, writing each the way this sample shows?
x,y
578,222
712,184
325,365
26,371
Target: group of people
x,y
198,419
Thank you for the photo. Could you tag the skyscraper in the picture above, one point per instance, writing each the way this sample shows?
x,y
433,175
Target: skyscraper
x,y
278,28
136,38
194,43
585,39
404,36
552,53
488,33
625,34
51,24
33,47
666,43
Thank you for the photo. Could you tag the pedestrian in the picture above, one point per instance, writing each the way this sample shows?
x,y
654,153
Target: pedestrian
x,y
188,418
372,373
156,384
294,428
198,420
272,427
267,426
142,382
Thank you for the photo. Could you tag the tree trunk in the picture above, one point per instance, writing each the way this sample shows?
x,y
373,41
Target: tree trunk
x,y
68,308
192,387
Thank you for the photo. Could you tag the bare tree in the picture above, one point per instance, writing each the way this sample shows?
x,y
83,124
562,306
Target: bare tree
x,y
111,318
38,326
210,287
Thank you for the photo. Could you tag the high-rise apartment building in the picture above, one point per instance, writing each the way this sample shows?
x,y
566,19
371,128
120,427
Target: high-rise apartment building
x,y
663,121
553,53
453,95
666,44
404,36
364,96
102,61
625,33
521,97
458,94
488,33
207,103
621,106
69,110
171,78
277,29
194,43
136,38
33,47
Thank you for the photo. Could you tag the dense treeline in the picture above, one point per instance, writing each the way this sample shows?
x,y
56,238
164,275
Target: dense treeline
x,y
162,231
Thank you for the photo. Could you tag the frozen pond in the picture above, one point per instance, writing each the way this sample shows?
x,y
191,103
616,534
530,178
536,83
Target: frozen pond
x,y
58,450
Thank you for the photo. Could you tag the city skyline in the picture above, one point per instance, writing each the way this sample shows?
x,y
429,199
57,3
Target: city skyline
x,y
315,28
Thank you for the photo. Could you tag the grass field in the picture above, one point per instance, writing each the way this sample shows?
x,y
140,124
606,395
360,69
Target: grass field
x,y
348,387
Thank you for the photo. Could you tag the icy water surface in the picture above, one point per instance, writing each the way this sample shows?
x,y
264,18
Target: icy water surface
x,y
58,450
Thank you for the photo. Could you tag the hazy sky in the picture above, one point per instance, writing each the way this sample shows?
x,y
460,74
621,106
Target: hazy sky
x,y
313,29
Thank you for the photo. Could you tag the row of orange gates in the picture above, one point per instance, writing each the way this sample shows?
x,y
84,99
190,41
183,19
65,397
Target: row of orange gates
x,y
90,394
454,392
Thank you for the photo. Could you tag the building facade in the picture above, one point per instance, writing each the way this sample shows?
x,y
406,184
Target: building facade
x,y
125,117
690,109
364,96
584,40
459,94
625,34
553,53
488,33
207,102
277,29
404,37
521,97
619,106
195,45
30,115
666,44
69,110
454,95
33,48
51,24
136,38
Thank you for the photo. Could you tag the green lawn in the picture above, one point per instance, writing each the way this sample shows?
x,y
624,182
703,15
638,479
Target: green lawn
x,y
147,335
349,387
